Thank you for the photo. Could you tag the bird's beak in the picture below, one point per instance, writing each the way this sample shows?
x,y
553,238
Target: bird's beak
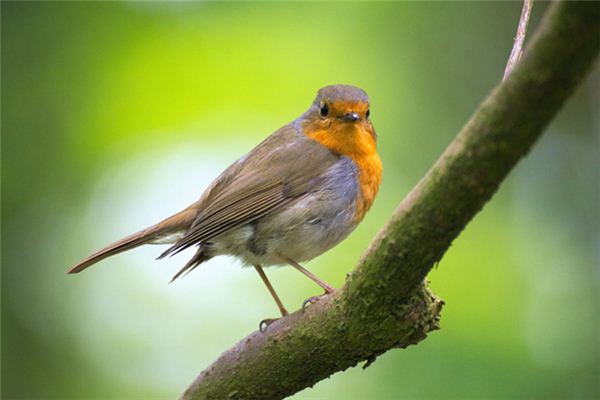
x,y
350,117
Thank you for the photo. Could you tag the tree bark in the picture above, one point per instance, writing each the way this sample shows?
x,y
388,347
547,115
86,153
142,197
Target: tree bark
x,y
384,303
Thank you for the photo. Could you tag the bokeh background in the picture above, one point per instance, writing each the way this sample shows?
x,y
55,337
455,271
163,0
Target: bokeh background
x,y
116,114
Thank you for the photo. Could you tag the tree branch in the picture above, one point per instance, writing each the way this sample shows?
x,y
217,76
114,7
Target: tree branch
x,y
384,303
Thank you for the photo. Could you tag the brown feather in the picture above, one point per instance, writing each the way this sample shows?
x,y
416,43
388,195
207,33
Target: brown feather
x,y
269,177
196,260
174,223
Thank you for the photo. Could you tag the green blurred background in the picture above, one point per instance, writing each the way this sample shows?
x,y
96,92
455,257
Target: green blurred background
x,y
117,114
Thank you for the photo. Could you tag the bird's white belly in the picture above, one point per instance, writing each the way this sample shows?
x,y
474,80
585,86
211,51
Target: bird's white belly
x,y
293,233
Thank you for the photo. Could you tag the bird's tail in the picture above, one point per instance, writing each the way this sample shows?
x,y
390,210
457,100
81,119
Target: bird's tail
x,y
155,233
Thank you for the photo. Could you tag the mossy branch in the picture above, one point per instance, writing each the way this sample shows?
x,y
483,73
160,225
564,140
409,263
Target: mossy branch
x,y
384,303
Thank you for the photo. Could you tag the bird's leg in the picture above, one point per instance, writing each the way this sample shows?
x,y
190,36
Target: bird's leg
x,y
262,326
328,289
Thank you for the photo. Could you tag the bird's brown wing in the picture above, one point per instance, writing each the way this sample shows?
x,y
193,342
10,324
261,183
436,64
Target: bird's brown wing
x,y
284,166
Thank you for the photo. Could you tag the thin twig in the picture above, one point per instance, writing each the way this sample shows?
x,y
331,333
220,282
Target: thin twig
x,y
517,50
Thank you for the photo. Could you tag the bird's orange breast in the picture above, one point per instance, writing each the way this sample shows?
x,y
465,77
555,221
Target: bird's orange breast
x,y
358,142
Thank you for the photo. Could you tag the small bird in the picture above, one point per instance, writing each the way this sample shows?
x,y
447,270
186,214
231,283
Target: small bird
x,y
293,197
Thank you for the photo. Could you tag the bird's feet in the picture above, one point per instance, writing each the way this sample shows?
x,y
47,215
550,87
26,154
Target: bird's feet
x,y
264,324
314,299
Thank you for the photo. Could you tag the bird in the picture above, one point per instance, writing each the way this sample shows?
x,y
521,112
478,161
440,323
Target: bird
x,y
297,194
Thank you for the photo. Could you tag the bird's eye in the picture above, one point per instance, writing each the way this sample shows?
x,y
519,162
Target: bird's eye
x,y
324,110
368,113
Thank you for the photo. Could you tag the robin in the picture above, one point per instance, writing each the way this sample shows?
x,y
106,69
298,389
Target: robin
x,y
293,197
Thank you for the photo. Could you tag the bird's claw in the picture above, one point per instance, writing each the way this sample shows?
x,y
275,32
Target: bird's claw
x,y
264,324
312,300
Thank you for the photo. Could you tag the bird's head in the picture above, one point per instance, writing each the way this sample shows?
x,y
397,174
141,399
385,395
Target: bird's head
x,y
339,118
